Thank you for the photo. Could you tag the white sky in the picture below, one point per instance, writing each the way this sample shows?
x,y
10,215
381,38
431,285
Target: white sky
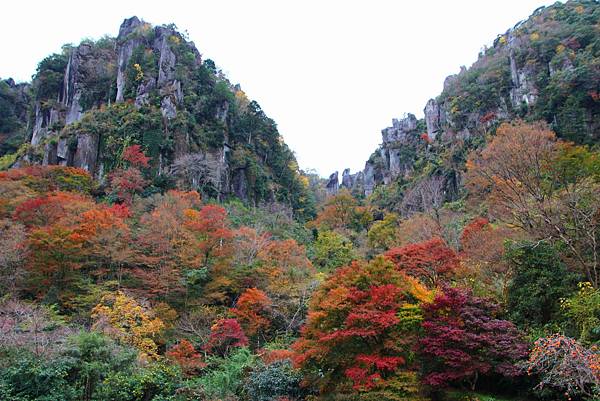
x,y
332,74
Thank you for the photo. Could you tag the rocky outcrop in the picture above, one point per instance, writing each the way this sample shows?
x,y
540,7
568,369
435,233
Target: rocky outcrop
x,y
347,179
435,118
333,184
130,37
394,158
87,80
135,34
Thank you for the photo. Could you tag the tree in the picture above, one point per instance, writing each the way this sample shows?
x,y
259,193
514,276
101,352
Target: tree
x,y
565,366
343,211
107,239
52,208
583,309
210,226
225,334
429,261
483,262
539,281
125,183
249,243
274,381
94,357
198,171
54,261
184,354
546,187
332,250
427,196
126,320
361,327
252,310
135,156
13,252
383,234
463,340
165,249
31,327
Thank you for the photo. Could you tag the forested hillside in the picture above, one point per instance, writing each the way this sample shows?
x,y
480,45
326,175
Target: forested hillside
x,y
149,86
140,261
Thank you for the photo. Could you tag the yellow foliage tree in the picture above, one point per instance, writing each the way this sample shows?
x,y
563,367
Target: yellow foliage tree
x,y
124,319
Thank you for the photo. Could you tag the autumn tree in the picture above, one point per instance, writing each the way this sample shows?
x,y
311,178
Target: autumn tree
x,y
123,318
213,237
129,181
135,157
248,244
464,339
546,187
361,328
185,355
52,208
564,366
225,334
165,249
54,262
107,239
430,261
343,211
252,311
482,254
13,253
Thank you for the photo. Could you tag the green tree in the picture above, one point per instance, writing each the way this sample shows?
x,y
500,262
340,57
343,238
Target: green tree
x,y
332,250
539,281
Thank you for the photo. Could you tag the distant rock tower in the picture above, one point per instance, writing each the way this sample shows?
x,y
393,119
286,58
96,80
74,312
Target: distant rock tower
x,y
333,185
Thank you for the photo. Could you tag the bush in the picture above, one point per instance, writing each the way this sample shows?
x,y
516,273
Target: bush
x,y
271,382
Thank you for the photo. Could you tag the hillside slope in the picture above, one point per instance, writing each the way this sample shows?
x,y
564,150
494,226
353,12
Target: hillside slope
x,y
150,86
544,68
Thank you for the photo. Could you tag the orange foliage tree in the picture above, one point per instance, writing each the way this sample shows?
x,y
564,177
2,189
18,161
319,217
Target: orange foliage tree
x,y
185,355
252,310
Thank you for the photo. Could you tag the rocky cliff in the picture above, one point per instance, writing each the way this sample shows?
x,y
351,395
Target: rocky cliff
x,y
150,86
544,68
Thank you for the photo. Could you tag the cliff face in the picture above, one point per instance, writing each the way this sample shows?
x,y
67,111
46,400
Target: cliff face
x,y
88,82
545,68
150,86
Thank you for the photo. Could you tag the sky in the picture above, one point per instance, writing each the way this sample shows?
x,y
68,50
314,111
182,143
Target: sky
x,y
331,73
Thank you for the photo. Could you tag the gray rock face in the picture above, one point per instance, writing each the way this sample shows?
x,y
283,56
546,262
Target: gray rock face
x,y
347,179
87,69
435,118
369,178
132,35
127,41
86,155
333,184
523,88
87,66
389,162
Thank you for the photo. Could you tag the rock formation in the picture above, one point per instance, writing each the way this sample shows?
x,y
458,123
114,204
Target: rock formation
x,y
333,184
